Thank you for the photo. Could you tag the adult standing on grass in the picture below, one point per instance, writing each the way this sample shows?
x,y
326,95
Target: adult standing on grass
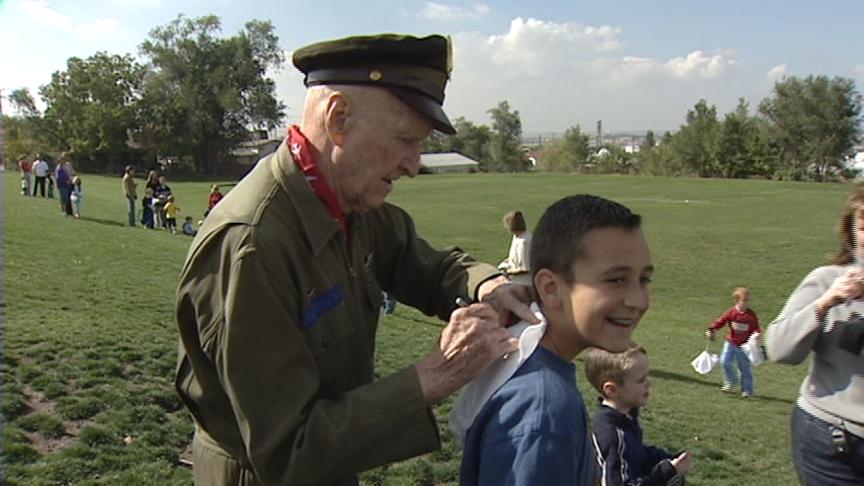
x,y
40,173
823,316
279,297
63,179
129,190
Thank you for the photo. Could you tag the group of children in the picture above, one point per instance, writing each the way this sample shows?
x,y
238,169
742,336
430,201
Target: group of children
x,y
166,207
523,421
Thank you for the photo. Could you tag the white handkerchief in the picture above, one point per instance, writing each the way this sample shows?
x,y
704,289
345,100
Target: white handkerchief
x,y
476,392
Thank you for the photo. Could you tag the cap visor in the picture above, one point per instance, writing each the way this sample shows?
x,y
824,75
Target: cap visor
x,y
427,106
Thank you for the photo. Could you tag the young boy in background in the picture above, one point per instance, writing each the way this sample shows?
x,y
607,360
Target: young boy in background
x,y
523,419
742,322
624,383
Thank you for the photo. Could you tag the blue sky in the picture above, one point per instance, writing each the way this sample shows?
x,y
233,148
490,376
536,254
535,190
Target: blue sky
x,y
634,64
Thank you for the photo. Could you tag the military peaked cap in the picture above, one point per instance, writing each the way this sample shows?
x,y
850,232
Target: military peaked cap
x,y
414,69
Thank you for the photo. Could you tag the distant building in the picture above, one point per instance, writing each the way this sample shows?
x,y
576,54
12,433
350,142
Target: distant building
x,y
447,163
248,153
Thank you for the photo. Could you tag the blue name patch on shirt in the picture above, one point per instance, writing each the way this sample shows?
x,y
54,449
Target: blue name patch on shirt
x,y
320,306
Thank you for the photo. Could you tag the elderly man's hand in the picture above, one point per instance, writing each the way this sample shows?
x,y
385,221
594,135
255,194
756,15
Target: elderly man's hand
x,y
508,299
472,340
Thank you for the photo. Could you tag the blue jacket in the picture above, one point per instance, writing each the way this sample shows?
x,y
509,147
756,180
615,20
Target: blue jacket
x,y
532,431
624,459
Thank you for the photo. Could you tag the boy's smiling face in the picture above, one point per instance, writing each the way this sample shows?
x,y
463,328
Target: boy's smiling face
x,y
607,298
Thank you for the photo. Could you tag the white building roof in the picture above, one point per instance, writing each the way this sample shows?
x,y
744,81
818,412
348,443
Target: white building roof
x,y
450,159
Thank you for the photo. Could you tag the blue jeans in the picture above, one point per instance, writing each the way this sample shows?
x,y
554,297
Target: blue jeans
x,y
817,461
131,211
731,354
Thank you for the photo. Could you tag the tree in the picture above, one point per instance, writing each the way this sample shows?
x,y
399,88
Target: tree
x,y
504,147
815,122
21,134
649,142
470,140
695,144
206,93
92,106
569,153
743,147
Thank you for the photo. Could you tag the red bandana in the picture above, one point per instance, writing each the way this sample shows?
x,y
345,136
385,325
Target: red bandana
x,y
303,159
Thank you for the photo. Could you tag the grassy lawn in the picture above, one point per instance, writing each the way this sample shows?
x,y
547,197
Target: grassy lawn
x,y
90,344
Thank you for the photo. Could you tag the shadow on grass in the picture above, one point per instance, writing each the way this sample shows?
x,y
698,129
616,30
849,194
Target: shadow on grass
x,y
671,375
108,222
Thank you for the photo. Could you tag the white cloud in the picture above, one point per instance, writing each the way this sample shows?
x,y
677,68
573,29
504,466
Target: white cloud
x,y
560,74
776,73
698,65
859,71
440,11
537,48
42,14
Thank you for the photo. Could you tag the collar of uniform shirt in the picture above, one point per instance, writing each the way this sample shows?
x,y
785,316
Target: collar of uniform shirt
x,y
303,159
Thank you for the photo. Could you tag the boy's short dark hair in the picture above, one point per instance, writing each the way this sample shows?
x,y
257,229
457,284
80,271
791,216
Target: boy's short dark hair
x,y
557,240
602,366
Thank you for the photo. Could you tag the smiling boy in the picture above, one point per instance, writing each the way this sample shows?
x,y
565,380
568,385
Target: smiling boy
x,y
523,419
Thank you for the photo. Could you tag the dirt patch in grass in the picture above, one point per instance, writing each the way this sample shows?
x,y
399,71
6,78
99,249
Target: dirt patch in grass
x,y
38,405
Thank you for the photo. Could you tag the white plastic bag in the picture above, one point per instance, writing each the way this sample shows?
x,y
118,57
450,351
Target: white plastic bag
x,y
754,352
704,363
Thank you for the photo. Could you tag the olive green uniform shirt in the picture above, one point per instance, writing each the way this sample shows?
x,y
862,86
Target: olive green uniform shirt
x,y
278,312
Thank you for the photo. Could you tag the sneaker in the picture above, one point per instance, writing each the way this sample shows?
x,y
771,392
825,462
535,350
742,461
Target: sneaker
x,y
745,395
726,388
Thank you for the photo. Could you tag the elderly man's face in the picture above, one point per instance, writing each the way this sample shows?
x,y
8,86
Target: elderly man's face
x,y
382,145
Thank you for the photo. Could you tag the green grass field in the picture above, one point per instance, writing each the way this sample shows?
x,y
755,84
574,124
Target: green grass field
x,y
90,342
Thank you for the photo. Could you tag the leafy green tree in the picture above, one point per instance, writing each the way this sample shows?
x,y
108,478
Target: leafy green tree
x,y
504,147
205,93
470,140
572,152
91,108
649,142
744,145
20,132
695,144
815,122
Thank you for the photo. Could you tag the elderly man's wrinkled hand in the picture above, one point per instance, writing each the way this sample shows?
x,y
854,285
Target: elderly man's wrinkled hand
x,y
510,300
472,340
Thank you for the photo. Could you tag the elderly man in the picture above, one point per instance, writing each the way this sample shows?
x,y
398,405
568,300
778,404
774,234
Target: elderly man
x,y
278,300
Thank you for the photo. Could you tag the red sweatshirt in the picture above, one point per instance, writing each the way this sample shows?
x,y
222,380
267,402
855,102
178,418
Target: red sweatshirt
x,y
741,325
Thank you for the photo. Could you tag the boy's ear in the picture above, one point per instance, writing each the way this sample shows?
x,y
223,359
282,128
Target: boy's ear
x,y
610,389
548,286
336,117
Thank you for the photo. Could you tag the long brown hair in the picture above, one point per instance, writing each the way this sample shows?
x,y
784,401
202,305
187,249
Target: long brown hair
x,y
854,202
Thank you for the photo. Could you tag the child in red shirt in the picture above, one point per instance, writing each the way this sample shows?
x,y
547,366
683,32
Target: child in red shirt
x,y
213,199
742,322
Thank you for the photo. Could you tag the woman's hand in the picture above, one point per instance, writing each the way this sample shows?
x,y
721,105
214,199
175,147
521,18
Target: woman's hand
x,y
847,287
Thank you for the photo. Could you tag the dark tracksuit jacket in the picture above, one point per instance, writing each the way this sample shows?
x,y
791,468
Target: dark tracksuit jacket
x,y
624,459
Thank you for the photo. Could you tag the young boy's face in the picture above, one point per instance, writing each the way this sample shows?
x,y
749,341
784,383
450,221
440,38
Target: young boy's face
x,y
635,391
743,302
609,294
